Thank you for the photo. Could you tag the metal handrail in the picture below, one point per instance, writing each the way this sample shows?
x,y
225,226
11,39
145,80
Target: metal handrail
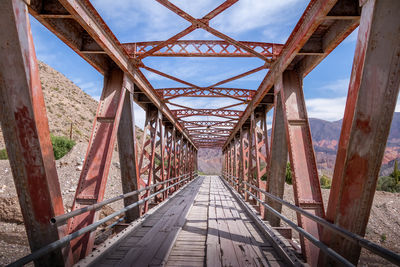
x,y
336,256
63,241
371,246
61,219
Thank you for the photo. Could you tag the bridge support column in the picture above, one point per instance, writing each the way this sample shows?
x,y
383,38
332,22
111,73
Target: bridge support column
x,y
236,161
245,155
168,155
307,190
148,150
371,101
128,154
277,161
260,143
26,133
93,179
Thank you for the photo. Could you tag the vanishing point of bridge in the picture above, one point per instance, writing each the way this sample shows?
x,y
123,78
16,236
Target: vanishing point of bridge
x,y
171,215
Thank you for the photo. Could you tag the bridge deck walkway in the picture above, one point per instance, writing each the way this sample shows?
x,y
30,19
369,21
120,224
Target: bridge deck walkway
x,y
201,225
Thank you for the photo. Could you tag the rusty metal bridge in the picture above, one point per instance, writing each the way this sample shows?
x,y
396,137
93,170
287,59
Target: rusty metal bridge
x,y
173,216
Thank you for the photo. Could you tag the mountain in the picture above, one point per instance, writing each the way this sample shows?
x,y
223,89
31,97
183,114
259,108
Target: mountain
x,y
325,135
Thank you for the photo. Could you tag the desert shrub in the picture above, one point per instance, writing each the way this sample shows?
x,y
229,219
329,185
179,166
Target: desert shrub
x,y
288,177
325,182
61,146
3,154
388,184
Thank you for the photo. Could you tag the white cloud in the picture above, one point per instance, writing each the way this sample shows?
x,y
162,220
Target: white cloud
x,y
398,105
330,109
340,86
248,15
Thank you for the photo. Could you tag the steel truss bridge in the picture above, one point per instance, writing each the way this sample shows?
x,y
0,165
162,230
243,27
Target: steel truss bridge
x,y
172,216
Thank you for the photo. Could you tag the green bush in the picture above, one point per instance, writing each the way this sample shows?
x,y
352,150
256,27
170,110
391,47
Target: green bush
x,y
61,145
288,177
325,182
3,154
388,184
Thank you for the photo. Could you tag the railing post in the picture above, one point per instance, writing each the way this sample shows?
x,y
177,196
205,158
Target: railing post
x,y
371,101
26,133
127,148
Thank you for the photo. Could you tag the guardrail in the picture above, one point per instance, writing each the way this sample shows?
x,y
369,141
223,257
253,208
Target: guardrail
x,y
371,246
62,218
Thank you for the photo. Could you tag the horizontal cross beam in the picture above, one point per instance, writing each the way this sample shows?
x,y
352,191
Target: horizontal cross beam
x,y
203,48
189,124
225,113
205,92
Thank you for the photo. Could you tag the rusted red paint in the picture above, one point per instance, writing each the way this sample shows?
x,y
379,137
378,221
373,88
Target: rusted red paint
x,y
93,179
26,132
370,104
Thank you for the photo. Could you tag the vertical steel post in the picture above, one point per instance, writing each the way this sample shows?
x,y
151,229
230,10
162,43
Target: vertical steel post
x,y
307,191
148,150
168,155
236,161
371,101
128,155
26,132
93,178
158,166
245,147
277,160
260,150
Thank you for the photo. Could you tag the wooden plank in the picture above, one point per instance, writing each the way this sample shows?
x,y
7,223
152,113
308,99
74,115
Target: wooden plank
x,y
213,257
250,250
229,255
192,238
155,245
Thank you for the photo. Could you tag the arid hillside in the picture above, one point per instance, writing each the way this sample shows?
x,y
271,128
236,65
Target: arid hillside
x,y
66,103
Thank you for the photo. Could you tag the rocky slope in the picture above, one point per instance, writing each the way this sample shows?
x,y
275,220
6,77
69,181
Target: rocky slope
x,y
66,103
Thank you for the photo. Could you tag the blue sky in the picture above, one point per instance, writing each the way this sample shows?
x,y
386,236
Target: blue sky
x,y
325,87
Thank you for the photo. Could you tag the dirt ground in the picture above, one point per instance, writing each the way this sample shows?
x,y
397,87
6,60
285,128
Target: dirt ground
x,y
383,227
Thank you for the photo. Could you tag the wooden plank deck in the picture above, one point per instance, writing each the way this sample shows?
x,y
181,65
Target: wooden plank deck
x,y
202,225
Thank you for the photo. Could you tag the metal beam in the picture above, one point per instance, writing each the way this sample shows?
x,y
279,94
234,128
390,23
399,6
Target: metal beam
x,y
128,156
26,133
167,93
277,161
202,48
373,92
224,113
307,191
87,24
313,21
93,178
